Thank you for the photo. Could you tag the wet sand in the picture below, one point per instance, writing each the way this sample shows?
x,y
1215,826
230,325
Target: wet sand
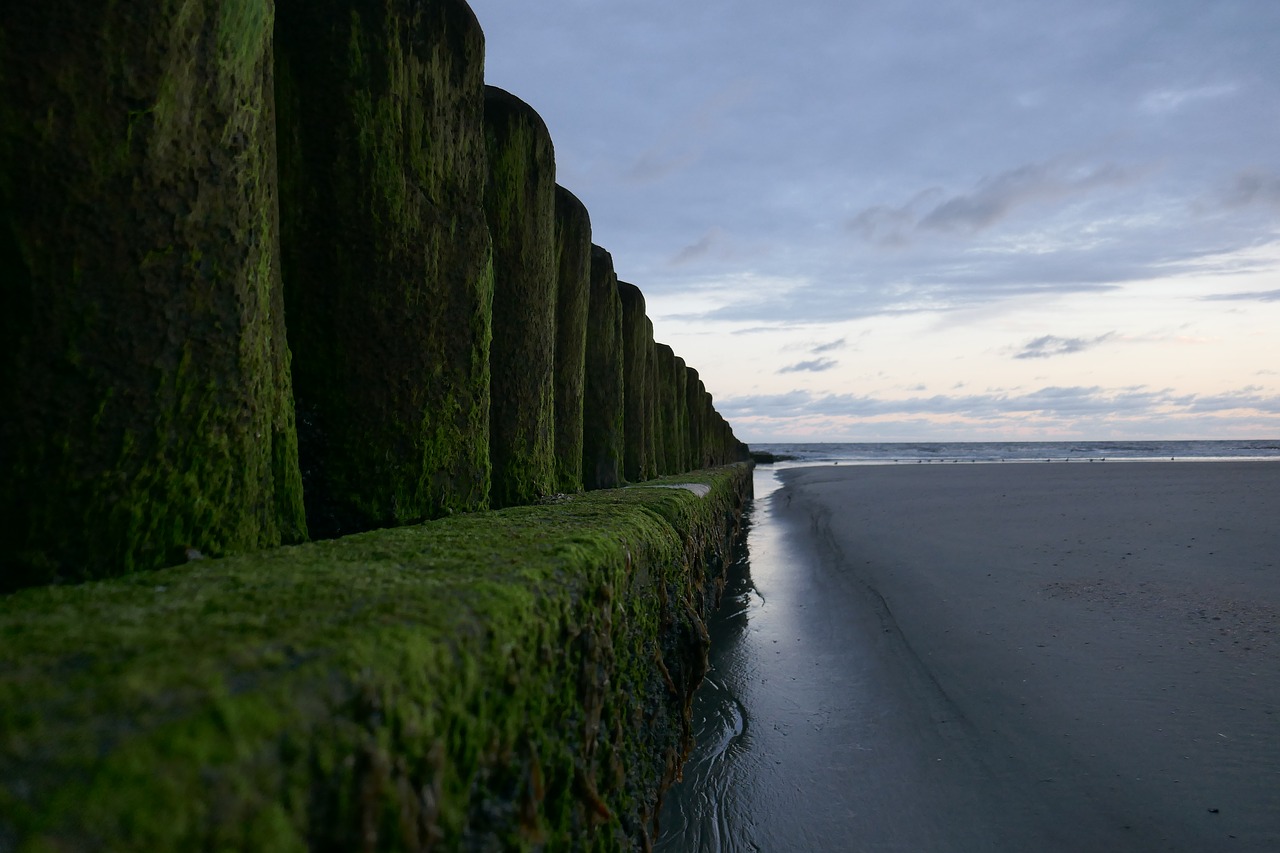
x,y
1069,657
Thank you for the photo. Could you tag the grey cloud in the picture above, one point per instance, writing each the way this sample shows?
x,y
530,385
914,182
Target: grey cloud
x,y
1246,398
1057,401
944,287
1047,346
1254,187
752,330
715,241
992,200
1248,296
1171,100
891,227
694,251
943,279
817,365
827,347
995,198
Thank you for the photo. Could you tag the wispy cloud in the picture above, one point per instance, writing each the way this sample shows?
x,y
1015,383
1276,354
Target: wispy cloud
x,y
830,346
816,365
1056,401
715,242
992,200
884,225
695,250
1048,346
1252,296
1172,100
1254,187
995,198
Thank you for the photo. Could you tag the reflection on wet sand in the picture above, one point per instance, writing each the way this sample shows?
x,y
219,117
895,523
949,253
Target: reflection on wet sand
x,y
994,658
809,735
695,815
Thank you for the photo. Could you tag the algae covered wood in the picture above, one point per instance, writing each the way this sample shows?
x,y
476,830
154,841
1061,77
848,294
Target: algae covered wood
x,y
680,379
573,251
711,432
667,416
653,432
636,398
520,207
144,373
696,398
507,680
603,448
387,256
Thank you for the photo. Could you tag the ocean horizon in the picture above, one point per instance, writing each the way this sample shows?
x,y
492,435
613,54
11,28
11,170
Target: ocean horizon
x,y
922,452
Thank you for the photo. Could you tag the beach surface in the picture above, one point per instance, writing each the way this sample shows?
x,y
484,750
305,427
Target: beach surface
x,y
997,657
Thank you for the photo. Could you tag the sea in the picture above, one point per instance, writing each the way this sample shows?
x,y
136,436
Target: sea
x,y
951,452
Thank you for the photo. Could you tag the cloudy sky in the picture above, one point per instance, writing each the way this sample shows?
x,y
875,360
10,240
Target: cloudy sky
x,y
932,219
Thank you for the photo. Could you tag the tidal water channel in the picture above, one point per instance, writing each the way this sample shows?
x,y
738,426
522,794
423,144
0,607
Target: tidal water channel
x,y
788,713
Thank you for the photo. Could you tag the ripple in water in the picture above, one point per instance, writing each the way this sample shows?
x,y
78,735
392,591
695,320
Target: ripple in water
x,y
697,813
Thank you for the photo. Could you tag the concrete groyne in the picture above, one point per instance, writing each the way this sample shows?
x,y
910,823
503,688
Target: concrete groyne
x,y
273,272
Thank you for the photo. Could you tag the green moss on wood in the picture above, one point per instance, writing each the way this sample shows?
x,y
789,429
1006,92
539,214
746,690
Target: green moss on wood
x,y
520,206
665,410
147,397
654,448
510,680
635,359
696,397
573,252
603,447
387,270
680,402
710,429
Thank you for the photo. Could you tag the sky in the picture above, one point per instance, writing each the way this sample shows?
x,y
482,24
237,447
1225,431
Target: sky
x,y
932,220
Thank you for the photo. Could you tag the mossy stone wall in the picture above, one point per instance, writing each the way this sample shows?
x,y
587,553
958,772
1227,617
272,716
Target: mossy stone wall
x,y
573,284
520,206
637,405
603,448
387,269
144,372
496,681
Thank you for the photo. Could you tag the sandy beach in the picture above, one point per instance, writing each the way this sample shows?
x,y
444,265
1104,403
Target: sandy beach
x,y
1070,657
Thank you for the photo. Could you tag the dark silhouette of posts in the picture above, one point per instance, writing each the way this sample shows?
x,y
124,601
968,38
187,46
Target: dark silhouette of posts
x,y
146,410
520,205
603,448
387,275
573,249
